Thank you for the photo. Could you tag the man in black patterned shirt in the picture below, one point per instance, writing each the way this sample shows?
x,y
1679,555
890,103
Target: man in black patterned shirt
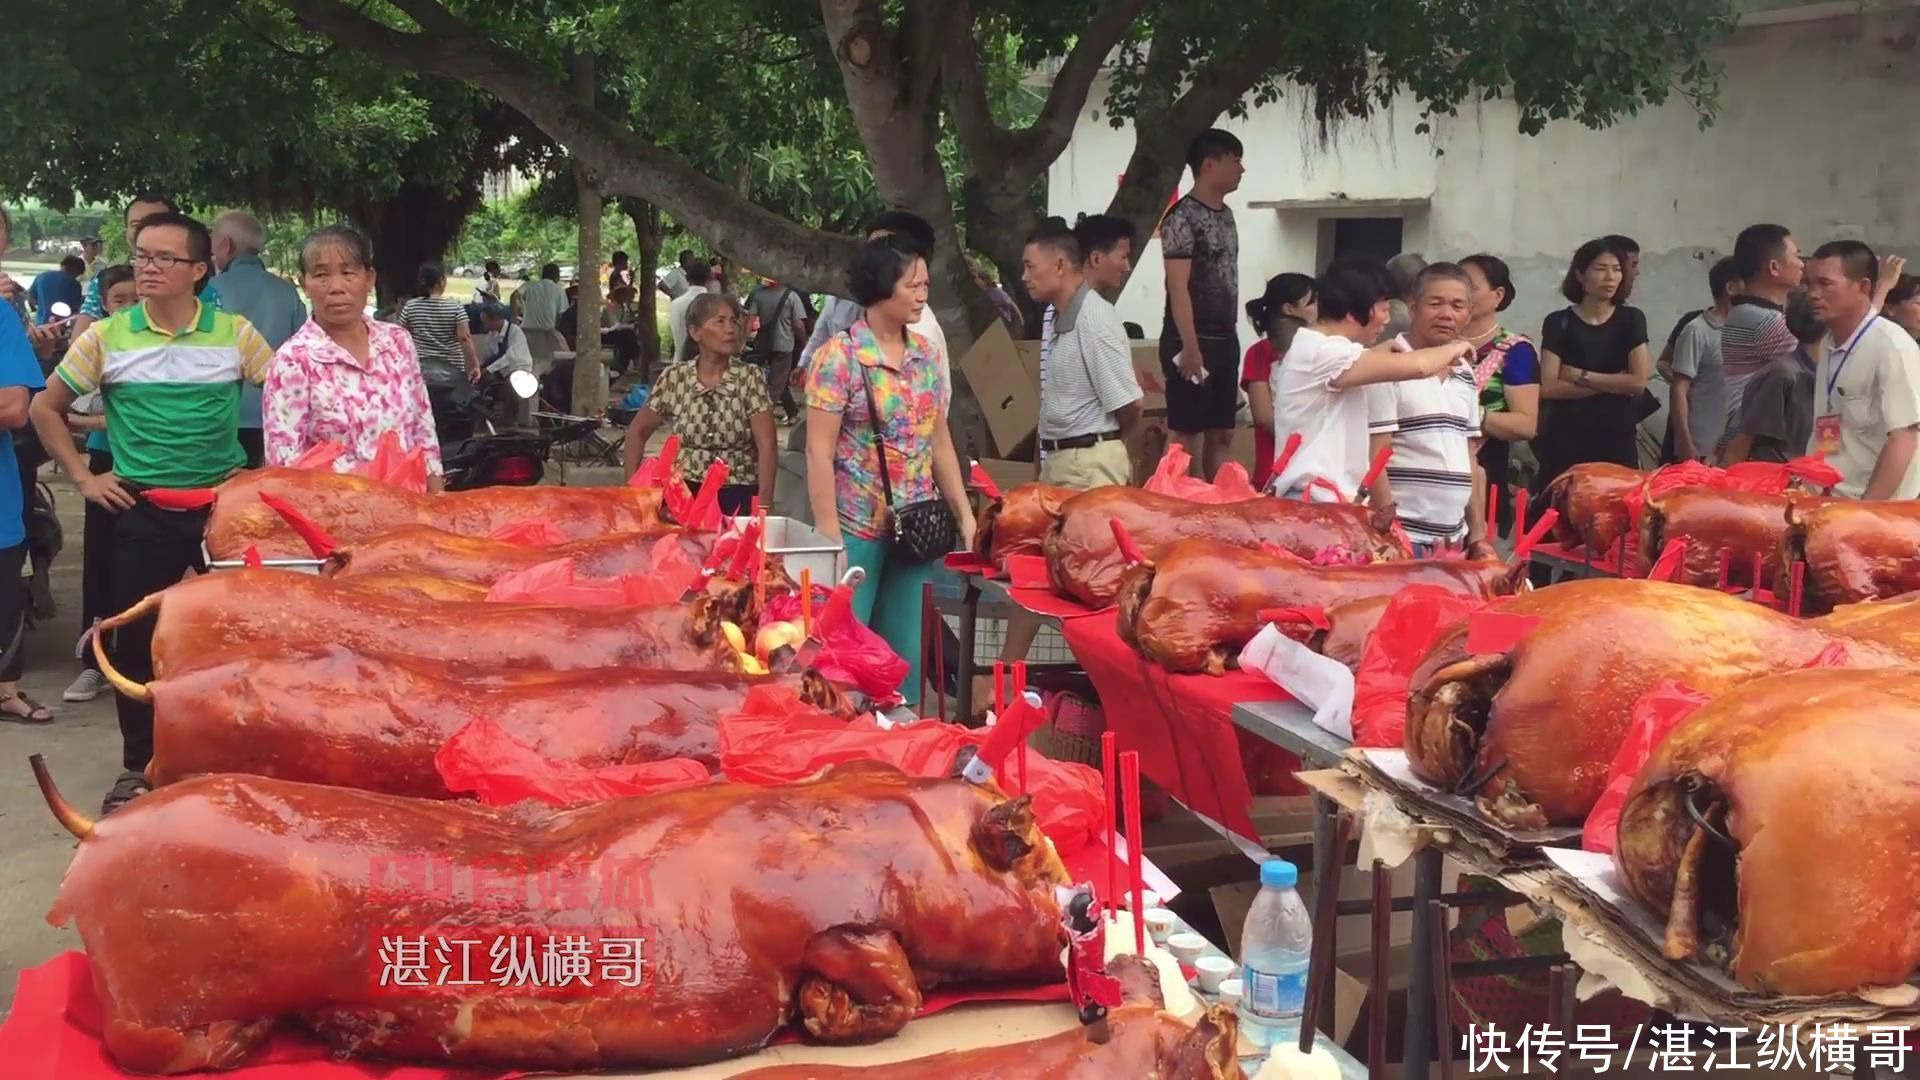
x,y
1200,342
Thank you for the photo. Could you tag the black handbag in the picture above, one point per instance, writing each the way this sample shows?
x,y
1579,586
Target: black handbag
x,y
922,531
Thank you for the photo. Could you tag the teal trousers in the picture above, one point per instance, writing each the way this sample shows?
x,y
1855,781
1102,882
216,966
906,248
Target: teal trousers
x,y
889,599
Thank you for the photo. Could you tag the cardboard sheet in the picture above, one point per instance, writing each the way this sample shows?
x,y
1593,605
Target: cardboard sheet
x,y
1390,771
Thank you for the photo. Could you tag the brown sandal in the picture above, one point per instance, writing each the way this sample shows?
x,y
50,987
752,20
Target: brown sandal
x,y
36,713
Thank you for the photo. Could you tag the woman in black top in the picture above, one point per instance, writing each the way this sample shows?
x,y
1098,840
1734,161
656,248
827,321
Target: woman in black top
x,y
1594,364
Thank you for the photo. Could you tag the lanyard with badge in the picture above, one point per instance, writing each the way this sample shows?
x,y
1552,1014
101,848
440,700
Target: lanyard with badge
x,y
1826,426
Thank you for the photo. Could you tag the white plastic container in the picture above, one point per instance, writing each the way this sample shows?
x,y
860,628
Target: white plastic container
x,y
803,547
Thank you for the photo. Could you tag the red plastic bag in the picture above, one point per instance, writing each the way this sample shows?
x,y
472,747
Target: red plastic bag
x,y
1230,485
533,532
556,583
850,654
391,465
501,770
318,456
1657,712
775,739
1413,619
659,471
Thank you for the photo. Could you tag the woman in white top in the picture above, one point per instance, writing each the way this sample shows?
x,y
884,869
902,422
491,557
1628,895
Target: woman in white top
x,y
1320,387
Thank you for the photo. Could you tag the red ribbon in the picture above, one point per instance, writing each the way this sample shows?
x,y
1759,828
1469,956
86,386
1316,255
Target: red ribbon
x,y
981,482
1129,551
317,538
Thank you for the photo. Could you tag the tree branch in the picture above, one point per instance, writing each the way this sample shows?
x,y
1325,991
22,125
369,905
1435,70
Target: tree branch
x,y
624,162
1228,75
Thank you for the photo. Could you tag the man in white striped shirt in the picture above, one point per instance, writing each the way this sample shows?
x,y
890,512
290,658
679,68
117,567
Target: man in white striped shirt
x,y
1091,402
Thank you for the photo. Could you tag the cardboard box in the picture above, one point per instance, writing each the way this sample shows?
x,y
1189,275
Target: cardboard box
x,y
1005,378
1008,475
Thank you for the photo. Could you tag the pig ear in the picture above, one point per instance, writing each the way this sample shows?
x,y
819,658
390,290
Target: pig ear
x,y
1003,835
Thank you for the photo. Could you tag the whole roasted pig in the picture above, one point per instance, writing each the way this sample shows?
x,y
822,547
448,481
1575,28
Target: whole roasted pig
x,y
1779,830
1137,1040
1533,729
1199,601
1592,500
1017,522
333,717
202,620
415,586
1713,523
351,507
476,560
214,907
1084,561
1854,551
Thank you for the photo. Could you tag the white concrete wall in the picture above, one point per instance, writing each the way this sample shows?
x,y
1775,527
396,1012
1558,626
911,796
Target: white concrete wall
x,y
1815,131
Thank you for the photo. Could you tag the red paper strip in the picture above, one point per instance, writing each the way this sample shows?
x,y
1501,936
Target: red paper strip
x,y
1490,632
316,537
966,562
1379,466
251,557
1285,457
180,498
1667,566
1534,535
1315,617
1028,572
1129,551
978,479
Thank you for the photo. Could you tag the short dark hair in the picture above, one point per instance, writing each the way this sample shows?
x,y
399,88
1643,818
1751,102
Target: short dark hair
x,y
1584,256
1622,245
1904,289
151,195
341,236
492,267
878,266
686,255
906,224
1055,236
1802,323
199,240
1756,246
1282,289
618,257
74,264
1351,287
550,271
1210,144
114,275
1101,233
1494,269
699,272
1440,271
430,278
1857,260
1721,276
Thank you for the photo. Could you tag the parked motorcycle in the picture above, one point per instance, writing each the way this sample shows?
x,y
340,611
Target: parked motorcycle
x,y
474,453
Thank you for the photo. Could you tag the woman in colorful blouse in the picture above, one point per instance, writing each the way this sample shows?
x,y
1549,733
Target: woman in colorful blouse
x,y
718,405
344,378
880,359
1507,367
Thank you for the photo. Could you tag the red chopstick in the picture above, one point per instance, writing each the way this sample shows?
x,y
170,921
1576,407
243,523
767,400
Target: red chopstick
x,y
1528,542
1379,466
1020,696
1285,456
1107,769
1798,593
1136,850
1493,512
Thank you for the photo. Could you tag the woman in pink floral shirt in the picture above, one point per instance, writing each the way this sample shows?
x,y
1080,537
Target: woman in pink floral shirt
x,y
343,377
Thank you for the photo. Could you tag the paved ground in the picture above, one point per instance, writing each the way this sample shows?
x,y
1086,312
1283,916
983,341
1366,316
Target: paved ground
x,y
82,747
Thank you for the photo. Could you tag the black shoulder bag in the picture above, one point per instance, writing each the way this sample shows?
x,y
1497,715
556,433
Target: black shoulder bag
x,y
922,531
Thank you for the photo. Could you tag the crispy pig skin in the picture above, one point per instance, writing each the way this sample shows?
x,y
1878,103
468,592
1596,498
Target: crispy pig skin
x,y
334,717
1820,770
213,907
476,560
350,507
1200,600
1084,561
203,619
1855,551
1565,692
1018,521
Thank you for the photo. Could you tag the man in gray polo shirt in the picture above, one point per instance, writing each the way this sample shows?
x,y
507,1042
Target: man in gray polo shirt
x,y
1091,403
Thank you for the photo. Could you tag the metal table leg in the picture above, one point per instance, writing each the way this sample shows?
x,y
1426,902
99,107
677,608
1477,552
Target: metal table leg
x,y
969,624
1417,1053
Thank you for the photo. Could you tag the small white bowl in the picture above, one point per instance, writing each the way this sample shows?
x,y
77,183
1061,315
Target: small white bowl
x,y
1187,948
1230,992
1149,899
1160,924
1211,971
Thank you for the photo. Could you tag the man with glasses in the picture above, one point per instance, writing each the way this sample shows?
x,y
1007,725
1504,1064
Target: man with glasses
x,y
139,208
170,370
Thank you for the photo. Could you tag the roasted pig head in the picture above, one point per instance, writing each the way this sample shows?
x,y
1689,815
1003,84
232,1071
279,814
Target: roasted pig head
x,y
1592,501
1017,522
1854,551
1199,601
212,908
1532,730
1778,828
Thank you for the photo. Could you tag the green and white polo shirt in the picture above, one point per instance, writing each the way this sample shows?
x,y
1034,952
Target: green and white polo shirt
x,y
173,400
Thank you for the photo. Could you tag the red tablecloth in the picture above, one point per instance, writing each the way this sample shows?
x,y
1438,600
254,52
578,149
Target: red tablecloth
x,y
53,1033
1183,725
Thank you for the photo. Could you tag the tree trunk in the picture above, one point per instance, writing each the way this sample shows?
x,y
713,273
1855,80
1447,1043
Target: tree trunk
x,y
648,237
415,226
588,396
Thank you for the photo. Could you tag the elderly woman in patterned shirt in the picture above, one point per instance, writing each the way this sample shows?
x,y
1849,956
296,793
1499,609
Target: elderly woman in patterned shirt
x,y
342,377
718,405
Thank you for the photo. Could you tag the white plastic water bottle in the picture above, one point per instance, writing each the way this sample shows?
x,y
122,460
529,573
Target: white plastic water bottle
x,y
1275,947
